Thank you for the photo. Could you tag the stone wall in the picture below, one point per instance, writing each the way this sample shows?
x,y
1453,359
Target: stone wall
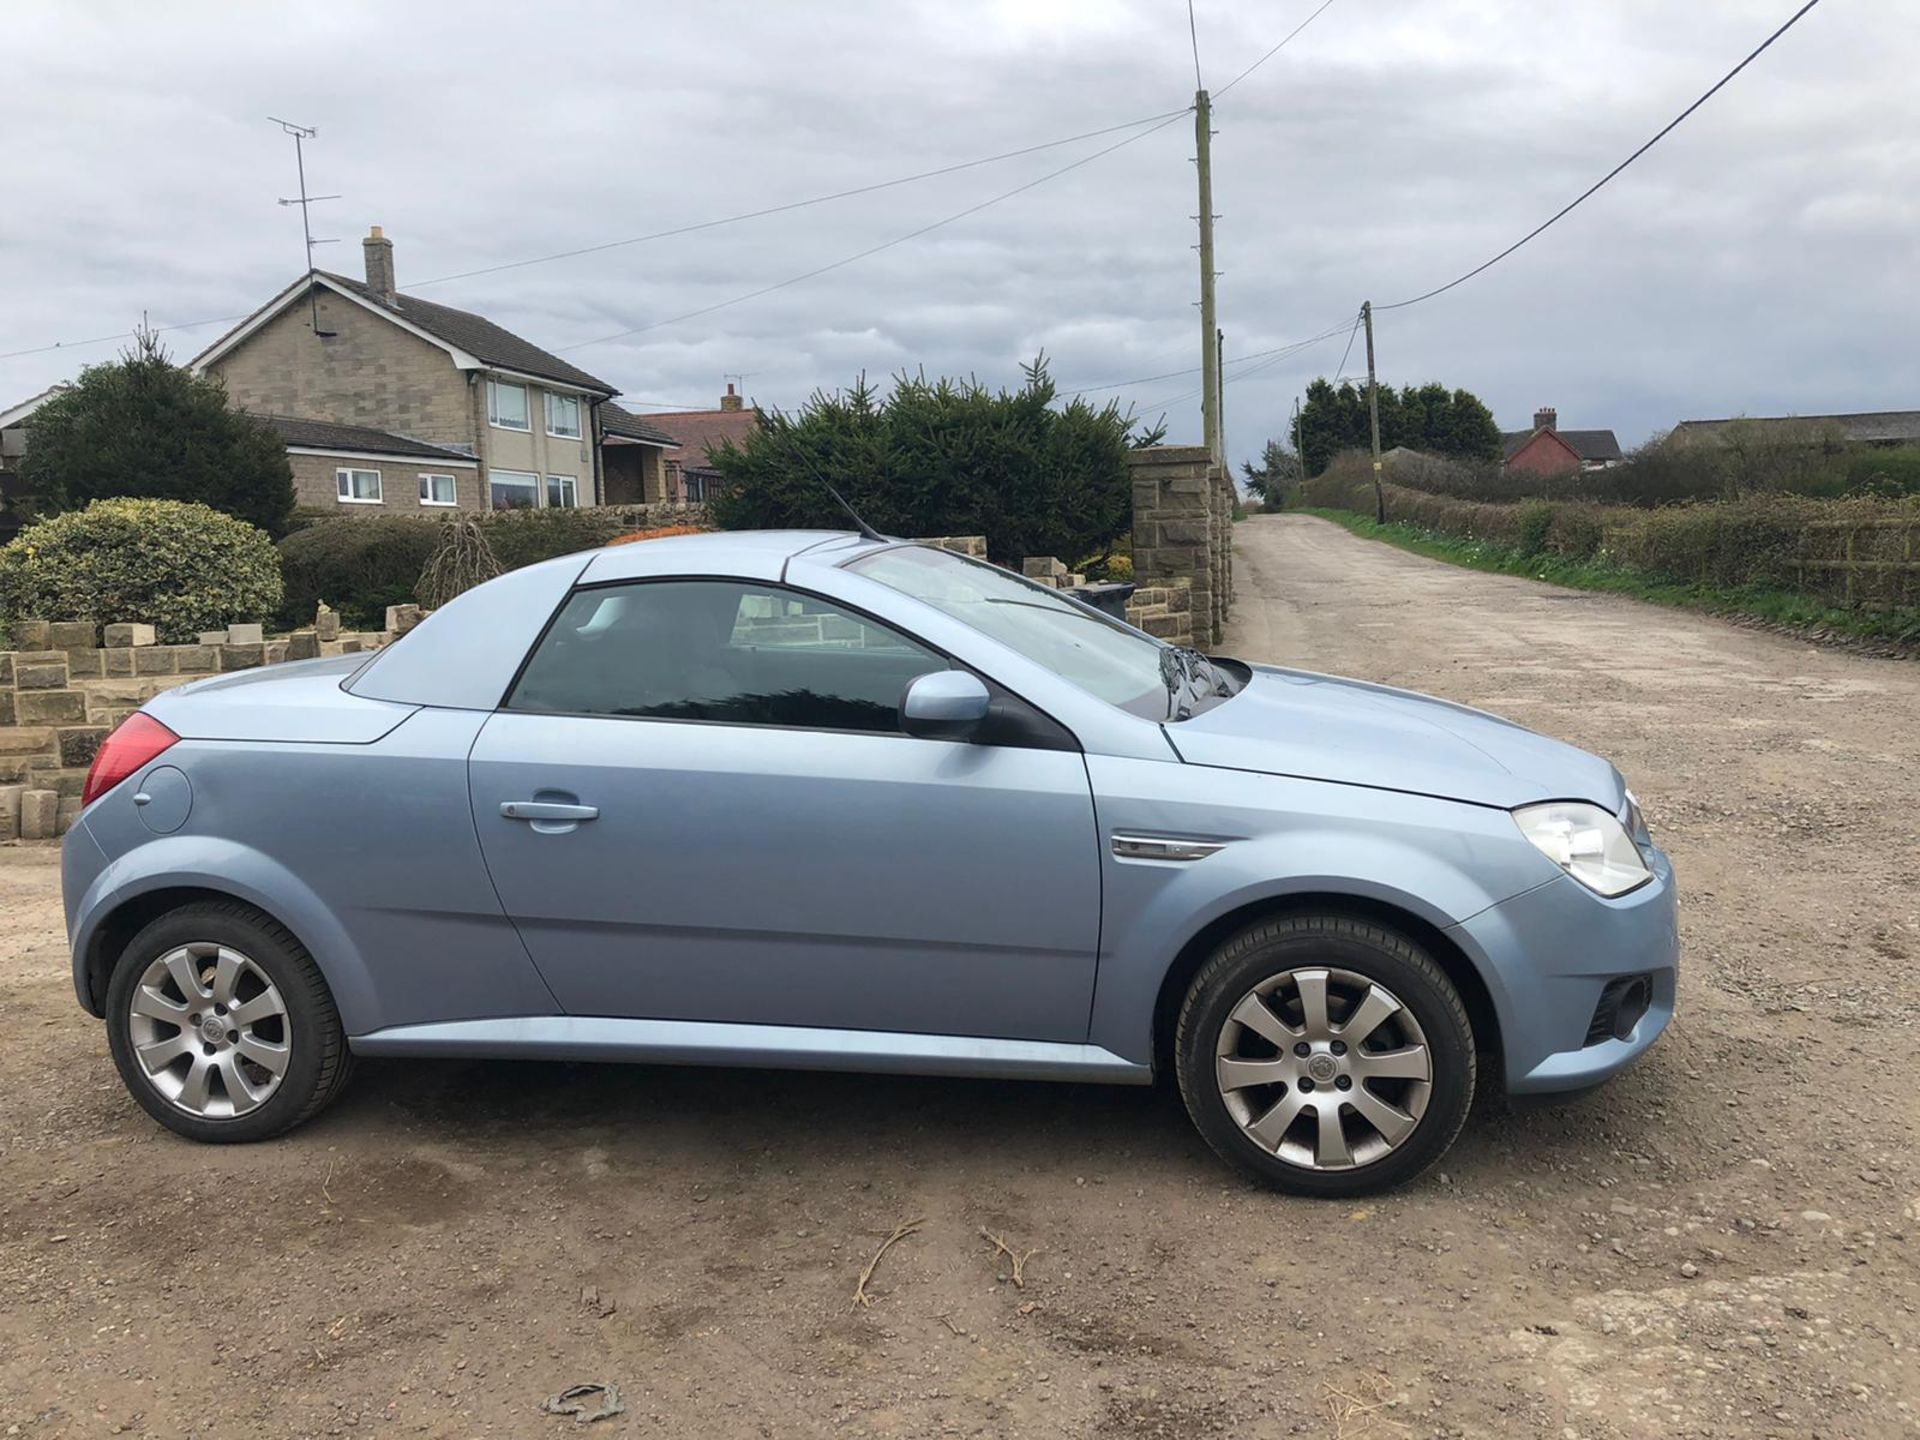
x,y
1183,530
63,690
1164,609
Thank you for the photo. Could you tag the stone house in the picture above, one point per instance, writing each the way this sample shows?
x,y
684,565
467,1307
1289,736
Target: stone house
x,y
396,405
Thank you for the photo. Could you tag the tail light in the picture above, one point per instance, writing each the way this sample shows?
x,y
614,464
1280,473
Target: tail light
x,y
134,742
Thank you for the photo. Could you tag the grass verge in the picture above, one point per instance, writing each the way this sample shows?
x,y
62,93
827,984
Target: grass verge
x,y
1786,609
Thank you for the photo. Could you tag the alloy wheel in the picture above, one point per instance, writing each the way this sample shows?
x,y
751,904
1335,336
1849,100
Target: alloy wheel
x,y
209,1031
1324,1068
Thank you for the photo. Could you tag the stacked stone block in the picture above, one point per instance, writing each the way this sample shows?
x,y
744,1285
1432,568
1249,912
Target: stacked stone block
x,y
1183,529
62,691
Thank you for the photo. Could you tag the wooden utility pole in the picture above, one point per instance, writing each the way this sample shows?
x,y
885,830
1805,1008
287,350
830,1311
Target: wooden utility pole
x,y
1299,441
1373,415
1209,326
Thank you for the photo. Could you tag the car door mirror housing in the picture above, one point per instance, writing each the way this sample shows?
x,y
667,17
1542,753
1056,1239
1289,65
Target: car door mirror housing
x,y
945,705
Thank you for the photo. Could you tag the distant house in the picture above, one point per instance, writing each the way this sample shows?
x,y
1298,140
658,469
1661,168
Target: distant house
x,y
15,423
1872,427
633,453
396,405
690,476
1546,449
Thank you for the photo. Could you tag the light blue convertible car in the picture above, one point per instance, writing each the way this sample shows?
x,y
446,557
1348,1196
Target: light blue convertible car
x,y
825,800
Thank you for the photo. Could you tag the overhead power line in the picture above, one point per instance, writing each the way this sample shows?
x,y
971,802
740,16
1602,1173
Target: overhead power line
x,y
1193,34
1267,358
1278,351
871,250
1273,52
1592,189
1165,116
792,205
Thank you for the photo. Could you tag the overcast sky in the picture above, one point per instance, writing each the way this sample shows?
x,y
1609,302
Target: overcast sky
x,y
1761,260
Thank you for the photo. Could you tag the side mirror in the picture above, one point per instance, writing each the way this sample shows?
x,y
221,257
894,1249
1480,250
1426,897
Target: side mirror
x,y
944,705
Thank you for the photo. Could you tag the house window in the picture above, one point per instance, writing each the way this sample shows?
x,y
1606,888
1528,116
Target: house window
x,y
696,487
358,487
512,490
437,490
507,405
563,416
563,492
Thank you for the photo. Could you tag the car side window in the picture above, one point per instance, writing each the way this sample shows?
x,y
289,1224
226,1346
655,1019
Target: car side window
x,y
720,650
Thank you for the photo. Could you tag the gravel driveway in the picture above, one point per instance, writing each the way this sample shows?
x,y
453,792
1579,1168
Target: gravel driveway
x,y
1721,1243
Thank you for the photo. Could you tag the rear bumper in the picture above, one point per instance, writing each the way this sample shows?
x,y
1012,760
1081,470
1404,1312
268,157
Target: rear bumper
x,y
1547,956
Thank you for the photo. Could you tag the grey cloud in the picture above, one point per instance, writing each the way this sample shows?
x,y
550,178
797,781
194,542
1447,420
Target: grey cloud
x,y
1758,260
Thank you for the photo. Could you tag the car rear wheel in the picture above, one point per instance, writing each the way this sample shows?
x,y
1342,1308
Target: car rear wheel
x,y
222,1026
1324,1055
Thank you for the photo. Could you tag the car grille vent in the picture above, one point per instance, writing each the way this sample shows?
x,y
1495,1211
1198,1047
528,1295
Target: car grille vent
x,y
1624,1000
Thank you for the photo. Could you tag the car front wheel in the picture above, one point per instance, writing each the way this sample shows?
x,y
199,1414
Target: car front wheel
x,y
1325,1055
222,1026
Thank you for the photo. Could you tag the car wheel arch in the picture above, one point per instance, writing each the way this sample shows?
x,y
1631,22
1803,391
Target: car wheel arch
x,y
115,930
165,875
1460,969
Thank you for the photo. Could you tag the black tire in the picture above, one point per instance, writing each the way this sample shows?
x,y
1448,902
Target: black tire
x,y
318,1060
1383,956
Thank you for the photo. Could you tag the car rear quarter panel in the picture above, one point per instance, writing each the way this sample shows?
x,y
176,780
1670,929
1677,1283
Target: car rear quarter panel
x,y
366,852
1439,860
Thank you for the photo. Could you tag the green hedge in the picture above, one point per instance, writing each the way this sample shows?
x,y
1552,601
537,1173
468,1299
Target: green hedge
x,y
172,564
358,564
361,564
1774,540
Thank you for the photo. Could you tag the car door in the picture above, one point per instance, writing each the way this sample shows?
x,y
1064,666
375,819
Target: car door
x,y
697,803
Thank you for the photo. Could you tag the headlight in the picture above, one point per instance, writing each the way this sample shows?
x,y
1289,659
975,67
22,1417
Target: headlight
x,y
1586,842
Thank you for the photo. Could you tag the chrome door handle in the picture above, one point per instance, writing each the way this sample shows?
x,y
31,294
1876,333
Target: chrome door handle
x,y
547,810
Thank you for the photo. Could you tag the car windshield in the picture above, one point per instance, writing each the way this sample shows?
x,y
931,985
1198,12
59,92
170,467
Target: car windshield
x,y
1109,660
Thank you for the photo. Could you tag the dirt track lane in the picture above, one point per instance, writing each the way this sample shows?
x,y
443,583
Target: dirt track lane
x,y
1721,1243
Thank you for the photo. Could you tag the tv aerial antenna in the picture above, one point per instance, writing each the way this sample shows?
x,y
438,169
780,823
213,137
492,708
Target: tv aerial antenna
x,y
301,134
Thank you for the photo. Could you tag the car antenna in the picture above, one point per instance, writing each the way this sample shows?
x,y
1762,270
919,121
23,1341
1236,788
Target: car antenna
x,y
867,532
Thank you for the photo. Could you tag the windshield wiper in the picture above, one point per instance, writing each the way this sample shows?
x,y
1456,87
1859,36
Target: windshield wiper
x,y
1198,667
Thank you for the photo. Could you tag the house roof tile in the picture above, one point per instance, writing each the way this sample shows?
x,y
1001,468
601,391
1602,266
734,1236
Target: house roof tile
x,y
616,421
1862,427
700,431
480,337
1587,444
326,435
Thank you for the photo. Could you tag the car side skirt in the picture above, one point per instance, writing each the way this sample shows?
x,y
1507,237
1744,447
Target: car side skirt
x,y
781,1047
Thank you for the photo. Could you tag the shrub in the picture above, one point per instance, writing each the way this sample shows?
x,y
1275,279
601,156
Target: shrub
x,y
358,564
527,536
461,560
143,426
1534,519
942,457
179,567
1886,473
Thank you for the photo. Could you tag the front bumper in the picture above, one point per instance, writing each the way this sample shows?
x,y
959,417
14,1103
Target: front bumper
x,y
1547,955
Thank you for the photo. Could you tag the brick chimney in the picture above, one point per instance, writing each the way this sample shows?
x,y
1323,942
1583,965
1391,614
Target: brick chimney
x,y
730,401
1546,418
379,253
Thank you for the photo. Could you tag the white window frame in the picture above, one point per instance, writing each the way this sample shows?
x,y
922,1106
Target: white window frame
x,y
572,484
532,483
554,398
494,387
427,487
343,486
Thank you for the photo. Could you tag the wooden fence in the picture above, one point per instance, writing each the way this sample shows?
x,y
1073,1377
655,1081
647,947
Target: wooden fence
x,y
1870,564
